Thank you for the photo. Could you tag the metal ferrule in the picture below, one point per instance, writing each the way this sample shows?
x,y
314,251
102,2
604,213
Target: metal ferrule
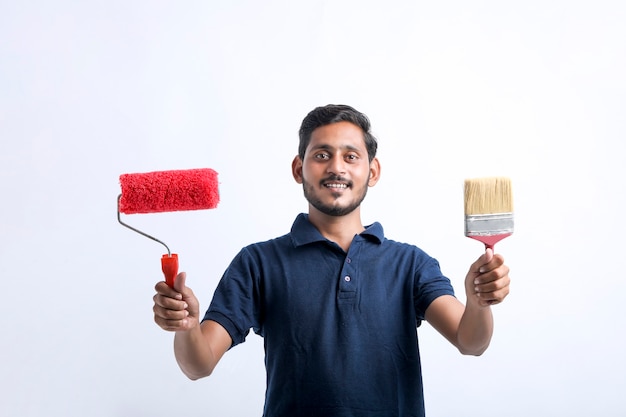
x,y
488,224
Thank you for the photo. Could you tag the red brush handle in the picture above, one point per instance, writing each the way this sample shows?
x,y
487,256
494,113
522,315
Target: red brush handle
x,y
490,241
169,264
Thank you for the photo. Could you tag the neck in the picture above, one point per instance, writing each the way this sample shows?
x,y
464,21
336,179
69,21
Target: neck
x,y
339,229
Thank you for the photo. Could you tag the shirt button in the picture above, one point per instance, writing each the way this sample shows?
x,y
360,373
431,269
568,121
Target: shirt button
x,y
347,278
348,260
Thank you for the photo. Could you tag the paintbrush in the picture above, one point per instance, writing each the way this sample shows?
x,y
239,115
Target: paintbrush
x,y
488,209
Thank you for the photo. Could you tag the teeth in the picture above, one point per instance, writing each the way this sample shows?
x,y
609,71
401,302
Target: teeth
x,y
336,186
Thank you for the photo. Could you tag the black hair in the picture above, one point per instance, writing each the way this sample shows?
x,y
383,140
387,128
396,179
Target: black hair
x,y
334,113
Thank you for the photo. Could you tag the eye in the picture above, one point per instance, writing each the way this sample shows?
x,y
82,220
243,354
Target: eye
x,y
352,157
322,156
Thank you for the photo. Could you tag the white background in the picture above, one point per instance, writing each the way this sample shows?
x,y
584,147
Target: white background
x,y
534,90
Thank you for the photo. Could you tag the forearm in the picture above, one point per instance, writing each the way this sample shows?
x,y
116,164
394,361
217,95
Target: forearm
x,y
486,284
194,354
475,329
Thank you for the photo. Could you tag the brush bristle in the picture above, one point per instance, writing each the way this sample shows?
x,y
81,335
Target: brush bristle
x,y
162,191
488,195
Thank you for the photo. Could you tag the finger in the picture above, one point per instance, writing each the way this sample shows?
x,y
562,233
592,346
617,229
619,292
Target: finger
x,y
169,314
492,270
493,280
171,319
499,273
494,296
169,302
495,261
488,286
172,325
163,289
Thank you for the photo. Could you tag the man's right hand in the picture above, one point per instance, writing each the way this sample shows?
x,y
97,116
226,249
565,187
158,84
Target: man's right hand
x,y
197,347
176,309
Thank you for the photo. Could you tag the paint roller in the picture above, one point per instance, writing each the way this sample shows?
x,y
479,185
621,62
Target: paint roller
x,y
166,191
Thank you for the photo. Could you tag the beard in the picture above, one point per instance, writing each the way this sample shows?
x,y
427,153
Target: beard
x,y
335,210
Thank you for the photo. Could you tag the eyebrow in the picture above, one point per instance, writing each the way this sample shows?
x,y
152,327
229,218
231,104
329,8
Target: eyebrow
x,y
328,147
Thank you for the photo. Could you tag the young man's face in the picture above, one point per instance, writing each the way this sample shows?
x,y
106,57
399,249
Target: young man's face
x,y
335,172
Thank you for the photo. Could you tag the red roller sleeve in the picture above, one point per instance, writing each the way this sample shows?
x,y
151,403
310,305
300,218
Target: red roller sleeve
x,y
161,191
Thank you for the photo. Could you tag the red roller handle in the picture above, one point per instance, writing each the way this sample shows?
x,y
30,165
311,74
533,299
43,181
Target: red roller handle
x,y
169,264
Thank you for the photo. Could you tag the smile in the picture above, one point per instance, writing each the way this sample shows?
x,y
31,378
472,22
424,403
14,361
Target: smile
x,y
336,186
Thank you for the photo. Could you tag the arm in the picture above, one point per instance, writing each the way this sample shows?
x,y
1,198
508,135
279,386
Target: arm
x,y
198,347
470,327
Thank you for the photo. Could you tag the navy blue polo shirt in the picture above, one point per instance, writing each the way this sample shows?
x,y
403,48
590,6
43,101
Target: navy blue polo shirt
x,y
339,329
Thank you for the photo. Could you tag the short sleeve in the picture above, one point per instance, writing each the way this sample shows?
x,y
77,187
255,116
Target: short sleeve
x,y
430,283
236,301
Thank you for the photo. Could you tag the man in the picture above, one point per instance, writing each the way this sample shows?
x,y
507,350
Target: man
x,y
337,303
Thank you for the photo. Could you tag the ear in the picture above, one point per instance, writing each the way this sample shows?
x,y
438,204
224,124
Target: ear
x,y
296,169
374,172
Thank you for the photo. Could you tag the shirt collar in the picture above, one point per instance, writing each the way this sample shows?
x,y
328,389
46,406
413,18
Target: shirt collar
x,y
303,232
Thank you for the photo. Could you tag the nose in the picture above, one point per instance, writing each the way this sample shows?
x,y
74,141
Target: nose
x,y
336,166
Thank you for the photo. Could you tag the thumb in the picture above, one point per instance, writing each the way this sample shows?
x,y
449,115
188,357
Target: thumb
x,y
187,295
488,255
484,259
179,283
